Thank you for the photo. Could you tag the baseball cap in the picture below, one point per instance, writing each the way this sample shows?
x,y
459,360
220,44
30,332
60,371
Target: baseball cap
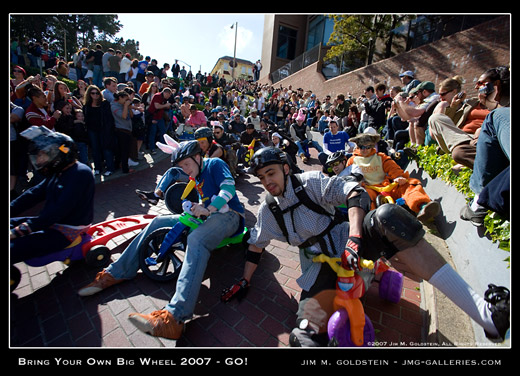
x,y
408,73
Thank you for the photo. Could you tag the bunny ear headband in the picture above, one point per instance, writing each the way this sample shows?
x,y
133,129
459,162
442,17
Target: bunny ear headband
x,y
171,146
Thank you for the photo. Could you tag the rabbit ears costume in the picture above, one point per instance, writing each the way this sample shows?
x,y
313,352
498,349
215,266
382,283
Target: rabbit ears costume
x,y
171,147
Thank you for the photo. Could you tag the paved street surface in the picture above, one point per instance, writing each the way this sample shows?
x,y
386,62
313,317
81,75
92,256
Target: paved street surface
x,y
45,310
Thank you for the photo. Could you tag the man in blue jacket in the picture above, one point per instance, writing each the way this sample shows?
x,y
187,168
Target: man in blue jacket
x,y
68,192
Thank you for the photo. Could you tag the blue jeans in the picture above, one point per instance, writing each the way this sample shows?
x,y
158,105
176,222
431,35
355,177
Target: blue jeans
x,y
308,144
173,174
493,148
322,125
154,127
97,78
201,242
82,152
393,125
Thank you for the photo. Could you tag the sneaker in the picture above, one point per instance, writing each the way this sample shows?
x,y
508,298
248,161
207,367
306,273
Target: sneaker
x,y
475,217
428,211
457,168
410,151
107,173
498,303
158,324
131,163
147,196
102,281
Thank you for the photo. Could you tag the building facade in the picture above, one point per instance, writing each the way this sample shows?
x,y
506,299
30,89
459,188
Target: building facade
x,y
224,68
293,42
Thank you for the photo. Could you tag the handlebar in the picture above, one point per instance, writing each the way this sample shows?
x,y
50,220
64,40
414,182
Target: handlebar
x,y
386,188
335,264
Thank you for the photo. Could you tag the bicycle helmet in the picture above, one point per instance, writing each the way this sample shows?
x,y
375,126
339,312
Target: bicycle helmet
x,y
267,156
187,149
204,132
49,152
337,156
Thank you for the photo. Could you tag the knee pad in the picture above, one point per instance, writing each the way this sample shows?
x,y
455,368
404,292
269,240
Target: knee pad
x,y
361,200
397,225
253,257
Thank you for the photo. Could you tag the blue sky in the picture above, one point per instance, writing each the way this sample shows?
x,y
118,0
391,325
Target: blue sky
x,y
196,39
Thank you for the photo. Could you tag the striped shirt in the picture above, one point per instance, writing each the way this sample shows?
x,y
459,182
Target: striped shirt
x,y
305,223
38,116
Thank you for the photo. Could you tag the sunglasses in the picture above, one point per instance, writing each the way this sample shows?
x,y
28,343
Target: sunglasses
x,y
94,93
334,164
365,147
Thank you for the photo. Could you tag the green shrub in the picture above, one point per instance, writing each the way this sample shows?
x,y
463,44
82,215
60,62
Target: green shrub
x,y
440,166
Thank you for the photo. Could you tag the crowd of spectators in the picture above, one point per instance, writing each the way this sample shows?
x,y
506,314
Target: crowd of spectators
x,y
122,106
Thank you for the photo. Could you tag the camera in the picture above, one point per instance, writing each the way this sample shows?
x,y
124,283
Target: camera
x,y
487,89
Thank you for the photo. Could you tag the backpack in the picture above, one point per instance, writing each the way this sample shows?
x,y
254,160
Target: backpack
x,y
336,218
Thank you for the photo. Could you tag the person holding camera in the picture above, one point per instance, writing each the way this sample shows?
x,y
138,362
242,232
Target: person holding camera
x,y
456,121
123,126
377,107
417,116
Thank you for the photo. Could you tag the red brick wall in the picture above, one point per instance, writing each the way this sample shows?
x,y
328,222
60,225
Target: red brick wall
x,y
468,53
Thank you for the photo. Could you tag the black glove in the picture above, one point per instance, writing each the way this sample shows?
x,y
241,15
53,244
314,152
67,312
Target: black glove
x,y
238,290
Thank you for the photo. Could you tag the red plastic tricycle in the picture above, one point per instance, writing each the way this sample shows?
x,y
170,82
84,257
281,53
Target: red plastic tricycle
x,y
349,326
90,246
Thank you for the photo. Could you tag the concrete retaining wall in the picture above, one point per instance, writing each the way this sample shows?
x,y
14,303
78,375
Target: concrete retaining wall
x,y
476,258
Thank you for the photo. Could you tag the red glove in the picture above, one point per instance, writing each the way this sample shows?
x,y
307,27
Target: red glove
x,y
350,258
239,290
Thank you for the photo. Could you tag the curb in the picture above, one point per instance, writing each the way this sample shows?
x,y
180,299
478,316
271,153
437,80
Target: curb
x,y
148,161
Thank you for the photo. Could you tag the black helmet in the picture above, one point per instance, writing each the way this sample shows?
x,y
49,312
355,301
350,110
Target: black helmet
x,y
336,157
204,132
49,152
187,149
267,156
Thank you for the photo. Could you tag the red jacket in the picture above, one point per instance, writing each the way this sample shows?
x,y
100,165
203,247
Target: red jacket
x,y
35,116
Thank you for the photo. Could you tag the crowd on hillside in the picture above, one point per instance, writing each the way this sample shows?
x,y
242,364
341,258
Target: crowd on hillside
x,y
121,110
176,102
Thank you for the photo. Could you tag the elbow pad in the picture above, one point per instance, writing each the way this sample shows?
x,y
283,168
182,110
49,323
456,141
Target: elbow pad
x,y
361,200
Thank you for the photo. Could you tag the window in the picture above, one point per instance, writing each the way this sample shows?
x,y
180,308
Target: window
x,y
320,28
286,47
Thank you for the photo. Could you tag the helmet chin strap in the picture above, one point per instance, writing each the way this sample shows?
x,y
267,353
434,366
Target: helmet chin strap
x,y
199,164
285,179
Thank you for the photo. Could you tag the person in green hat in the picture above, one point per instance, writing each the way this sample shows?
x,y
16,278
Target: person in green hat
x,y
417,116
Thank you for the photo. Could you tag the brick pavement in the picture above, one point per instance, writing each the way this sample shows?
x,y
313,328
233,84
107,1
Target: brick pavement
x,y
45,310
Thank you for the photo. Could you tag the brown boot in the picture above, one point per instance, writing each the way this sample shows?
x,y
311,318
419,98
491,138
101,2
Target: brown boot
x,y
158,323
428,211
102,281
